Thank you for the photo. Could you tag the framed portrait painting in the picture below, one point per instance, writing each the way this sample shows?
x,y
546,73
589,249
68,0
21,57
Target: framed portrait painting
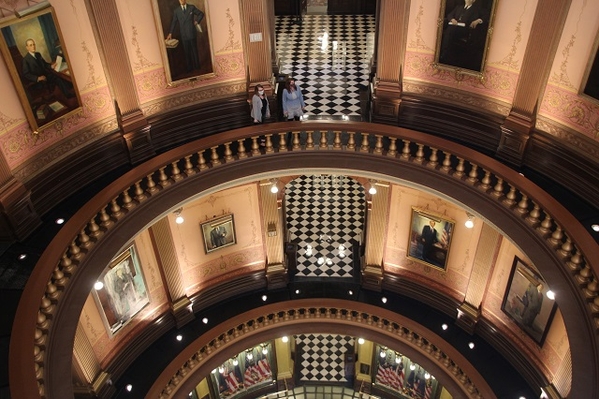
x,y
430,238
463,34
528,301
39,65
218,233
121,292
184,38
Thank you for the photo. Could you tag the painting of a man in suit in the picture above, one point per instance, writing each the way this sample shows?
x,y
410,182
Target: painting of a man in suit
x,y
37,70
464,33
184,25
187,19
218,236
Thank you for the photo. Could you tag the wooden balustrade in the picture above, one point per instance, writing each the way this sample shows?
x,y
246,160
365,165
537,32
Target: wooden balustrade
x,y
557,230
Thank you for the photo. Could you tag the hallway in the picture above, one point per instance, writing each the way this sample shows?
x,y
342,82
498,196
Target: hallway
x,y
329,56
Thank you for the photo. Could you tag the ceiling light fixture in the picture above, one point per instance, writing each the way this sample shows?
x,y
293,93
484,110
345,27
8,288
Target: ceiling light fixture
x,y
285,339
551,295
129,387
595,227
59,221
205,320
274,188
179,337
384,299
471,345
444,326
22,256
98,285
264,298
361,341
372,189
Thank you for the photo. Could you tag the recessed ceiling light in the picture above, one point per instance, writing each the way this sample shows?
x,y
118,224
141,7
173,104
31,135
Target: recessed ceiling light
x,y
264,298
297,291
444,326
98,285
384,299
22,256
59,221
205,320
471,345
129,387
595,227
350,292
179,337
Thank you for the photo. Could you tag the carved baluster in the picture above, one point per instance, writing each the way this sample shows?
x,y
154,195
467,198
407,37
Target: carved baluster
x,y
446,162
282,142
378,146
175,171
546,225
486,181
152,189
522,207
419,159
66,265
473,174
228,153
59,279
534,215
510,198
84,240
566,248
297,145
214,159
584,275
74,250
94,229
459,170
140,196
323,140
392,147
365,147
202,164
241,153
556,236
105,220
337,140
309,140
115,210
351,141
498,188
575,261
269,146
405,152
590,292
163,179
127,200
433,160
189,170
255,147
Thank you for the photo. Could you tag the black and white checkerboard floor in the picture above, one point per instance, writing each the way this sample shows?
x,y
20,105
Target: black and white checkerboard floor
x,y
324,214
322,357
329,57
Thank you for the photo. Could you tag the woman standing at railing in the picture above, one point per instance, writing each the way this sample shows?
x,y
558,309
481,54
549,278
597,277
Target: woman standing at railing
x,y
293,101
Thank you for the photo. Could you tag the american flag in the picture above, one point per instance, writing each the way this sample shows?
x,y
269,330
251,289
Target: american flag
x,y
391,377
445,234
428,390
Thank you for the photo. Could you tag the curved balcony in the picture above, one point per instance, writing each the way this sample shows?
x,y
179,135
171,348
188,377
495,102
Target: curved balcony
x,y
554,240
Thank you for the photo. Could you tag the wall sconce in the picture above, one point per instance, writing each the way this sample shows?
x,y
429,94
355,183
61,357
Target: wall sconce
x,y
372,189
178,218
470,222
274,188
383,353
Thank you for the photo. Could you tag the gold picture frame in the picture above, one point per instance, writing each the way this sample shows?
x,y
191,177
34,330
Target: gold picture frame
x,y
38,62
187,53
218,233
526,301
463,35
430,238
121,292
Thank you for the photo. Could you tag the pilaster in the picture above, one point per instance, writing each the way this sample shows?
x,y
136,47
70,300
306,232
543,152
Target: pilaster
x,y
90,381
276,271
484,259
164,249
390,53
378,216
132,121
545,34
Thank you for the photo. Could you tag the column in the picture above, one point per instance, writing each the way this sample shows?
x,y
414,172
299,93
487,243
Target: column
x,y
275,62
258,24
545,33
166,256
484,259
276,272
390,52
377,219
133,123
18,218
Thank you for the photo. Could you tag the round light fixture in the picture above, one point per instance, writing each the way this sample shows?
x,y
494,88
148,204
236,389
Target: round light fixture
x,y
179,337
595,227
471,345
179,219
285,339
444,326
361,341
551,295
98,285
205,320
59,221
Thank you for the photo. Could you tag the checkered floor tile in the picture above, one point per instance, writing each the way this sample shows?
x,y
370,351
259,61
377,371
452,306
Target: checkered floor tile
x,y
321,357
329,57
324,214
